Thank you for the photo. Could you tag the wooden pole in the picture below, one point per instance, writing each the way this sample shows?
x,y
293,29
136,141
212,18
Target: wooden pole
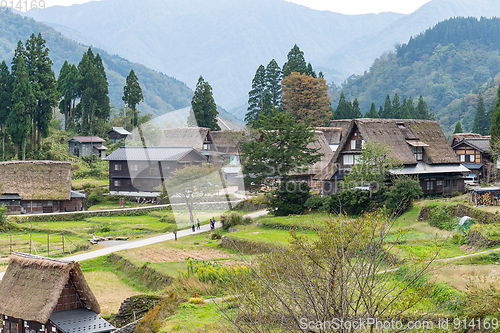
x,y
62,226
48,243
31,232
10,235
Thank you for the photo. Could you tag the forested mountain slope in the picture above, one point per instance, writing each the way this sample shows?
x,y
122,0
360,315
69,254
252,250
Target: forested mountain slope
x,y
161,93
449,64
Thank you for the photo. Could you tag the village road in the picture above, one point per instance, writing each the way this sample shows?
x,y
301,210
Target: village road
x,y
146,241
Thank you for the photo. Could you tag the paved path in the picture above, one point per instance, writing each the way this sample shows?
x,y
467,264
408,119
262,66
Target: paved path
x,y
125,245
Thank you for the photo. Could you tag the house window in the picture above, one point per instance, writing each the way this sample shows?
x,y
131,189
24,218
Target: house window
x,y
118,183
353,144
134,167
472,158
430,185
118,167
206,146
348,159
47,203
362,143
439,183
462,158
152,171
418,152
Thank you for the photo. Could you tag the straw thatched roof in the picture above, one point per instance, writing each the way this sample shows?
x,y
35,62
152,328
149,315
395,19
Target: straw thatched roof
x,y
333,135
32,285
324,148
341,123
37,180
396,134
228,125
185,137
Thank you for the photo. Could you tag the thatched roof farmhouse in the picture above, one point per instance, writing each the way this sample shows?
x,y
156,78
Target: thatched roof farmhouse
x,y
39,294
419,144
33,185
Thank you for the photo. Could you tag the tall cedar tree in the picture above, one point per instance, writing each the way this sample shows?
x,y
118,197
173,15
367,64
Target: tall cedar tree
x,y
405,110
203,107
458,128
387,112
306,97
344,108
395,108
411,107
132,95
495,122
282,148
257,105
5,100
295,62
23,100
422,112
67,85
44,86
273,82
373,112
480,121
93,92
356,111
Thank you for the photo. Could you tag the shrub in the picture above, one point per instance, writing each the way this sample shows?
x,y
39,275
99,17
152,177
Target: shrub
x,y
96,196
216,234
247,220
289,199
196,300
208,271
3,219
401,196
441,216
350,202
153,320
230,220
315,202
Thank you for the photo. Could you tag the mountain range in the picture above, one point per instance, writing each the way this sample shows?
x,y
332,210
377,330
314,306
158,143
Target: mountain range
x,y
226,40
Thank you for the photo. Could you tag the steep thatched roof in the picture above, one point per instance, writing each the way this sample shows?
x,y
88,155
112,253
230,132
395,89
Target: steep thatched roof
x,y
341,123
397,134
227,125
32,285
333,135
37,180
460,136
321,144
185,137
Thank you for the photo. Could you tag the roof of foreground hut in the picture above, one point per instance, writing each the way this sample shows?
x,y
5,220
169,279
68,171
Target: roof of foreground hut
x,y
32,285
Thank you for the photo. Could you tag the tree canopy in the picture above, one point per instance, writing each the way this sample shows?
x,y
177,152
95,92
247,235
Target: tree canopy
x,y
203,108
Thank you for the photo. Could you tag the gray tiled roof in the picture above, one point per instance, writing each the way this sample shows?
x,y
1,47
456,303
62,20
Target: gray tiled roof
x,y
481,144
119,130
150,154
80,320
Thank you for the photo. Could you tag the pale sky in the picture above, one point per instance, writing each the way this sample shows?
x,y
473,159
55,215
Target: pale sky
x,y
338,6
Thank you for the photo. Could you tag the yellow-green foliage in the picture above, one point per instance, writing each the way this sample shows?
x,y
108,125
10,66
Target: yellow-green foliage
x,y
196,300
207,271
153,320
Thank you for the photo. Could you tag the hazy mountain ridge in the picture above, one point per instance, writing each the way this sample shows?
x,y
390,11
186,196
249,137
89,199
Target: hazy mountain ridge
x,y
161,93
223,40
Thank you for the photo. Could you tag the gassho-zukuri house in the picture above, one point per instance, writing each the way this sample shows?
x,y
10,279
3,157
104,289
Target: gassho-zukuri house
x,y
419,144
39,294
38,187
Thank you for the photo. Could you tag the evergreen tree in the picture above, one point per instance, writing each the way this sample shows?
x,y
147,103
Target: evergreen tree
x,y
204,107
458,128
5,100
310,70
387,112
256,98
356,112
93,92
23,100
373,112
44,86
411,107
404,110
273,82
495,123
306,97
344,108
296,62
67,85
422,112
132,95
480,121
396,108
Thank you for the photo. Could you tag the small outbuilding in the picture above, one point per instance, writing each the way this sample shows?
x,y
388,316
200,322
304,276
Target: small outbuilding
x,y
87,145
117,133
39,294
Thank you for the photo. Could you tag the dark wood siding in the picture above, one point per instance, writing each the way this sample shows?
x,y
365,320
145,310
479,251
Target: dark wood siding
x,y
69,298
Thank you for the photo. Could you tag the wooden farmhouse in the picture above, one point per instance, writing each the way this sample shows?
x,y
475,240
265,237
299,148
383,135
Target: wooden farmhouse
x,y
118,133
140,171
199,138
419,144
473,151
308,174
39,294
87,145
333,136
38,187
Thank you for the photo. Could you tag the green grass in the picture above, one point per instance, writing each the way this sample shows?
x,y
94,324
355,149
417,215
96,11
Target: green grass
x,y
190,318
79,184
116,205
264,235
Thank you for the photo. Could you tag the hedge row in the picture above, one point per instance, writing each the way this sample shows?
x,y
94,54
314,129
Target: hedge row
x,y
246,246
459,210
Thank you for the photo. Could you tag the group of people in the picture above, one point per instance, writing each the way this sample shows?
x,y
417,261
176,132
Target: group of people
x,y
197,226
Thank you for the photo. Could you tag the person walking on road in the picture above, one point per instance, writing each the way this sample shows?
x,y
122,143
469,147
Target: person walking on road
x,y
199,228
192,226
